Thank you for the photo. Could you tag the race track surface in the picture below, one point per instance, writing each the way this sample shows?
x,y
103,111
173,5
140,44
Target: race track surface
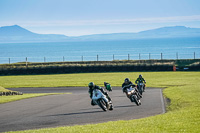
x,y
74,109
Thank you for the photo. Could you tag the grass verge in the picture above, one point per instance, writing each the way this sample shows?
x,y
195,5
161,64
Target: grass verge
x,y
183,89
2,89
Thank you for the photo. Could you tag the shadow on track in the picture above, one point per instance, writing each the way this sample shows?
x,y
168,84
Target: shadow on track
x,y
79,113
125,106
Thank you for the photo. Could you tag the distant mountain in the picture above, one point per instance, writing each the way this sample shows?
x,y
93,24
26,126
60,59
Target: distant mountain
x,y
18,34
165,32
171,32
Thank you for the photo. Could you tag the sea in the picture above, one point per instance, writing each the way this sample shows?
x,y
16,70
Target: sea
x,y
140,49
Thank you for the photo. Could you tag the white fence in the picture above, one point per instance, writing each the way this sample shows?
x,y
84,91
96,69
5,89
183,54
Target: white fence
x,y
144,56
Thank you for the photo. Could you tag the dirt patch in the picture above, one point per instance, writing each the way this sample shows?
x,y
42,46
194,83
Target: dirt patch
x,y
167,102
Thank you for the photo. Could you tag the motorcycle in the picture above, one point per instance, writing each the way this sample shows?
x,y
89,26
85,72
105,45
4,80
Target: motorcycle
x,y
132,95
101,100
140,87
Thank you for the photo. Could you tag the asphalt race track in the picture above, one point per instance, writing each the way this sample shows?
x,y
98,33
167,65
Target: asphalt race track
x,y
74,109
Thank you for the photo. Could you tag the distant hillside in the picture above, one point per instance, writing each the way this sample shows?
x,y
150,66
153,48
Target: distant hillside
x,y
18,34
165,32
168,32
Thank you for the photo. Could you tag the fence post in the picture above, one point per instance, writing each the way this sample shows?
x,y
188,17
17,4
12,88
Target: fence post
x,y
97,57
26,62
139,56
194,55
82,57
149,56
44,59
177,55
9,60
128,57
63,59
161,56
113,57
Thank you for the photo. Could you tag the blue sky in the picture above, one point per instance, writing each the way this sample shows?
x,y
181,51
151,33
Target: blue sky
x,y
84,17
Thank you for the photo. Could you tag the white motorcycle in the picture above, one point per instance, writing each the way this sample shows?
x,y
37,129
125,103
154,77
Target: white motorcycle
x,y
132,95
101,100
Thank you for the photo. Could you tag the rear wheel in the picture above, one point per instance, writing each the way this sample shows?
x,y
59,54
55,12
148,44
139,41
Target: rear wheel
x,y
132,98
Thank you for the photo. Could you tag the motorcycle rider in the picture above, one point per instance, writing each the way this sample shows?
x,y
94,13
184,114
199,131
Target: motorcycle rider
x,y
127,83
139,80
92,86
107,86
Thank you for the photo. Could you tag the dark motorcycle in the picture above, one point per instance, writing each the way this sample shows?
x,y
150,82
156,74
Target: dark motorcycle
x,y
132,95
140,87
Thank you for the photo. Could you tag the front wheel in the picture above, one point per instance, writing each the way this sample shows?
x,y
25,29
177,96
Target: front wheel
x,y
134,98
102,104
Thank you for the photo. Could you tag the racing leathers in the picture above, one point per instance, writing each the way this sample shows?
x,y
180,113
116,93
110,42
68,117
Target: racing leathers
x,y
99,88
130,84
140,80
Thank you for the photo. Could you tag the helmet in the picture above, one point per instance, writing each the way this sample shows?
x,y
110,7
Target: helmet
x,y
140,76
91,85
126,81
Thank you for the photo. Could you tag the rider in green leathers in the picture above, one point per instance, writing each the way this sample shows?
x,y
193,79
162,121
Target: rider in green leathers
x,y
140,79
92,86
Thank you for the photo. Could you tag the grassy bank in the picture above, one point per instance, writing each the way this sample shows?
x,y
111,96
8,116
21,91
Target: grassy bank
x,y
181,87
2,89
154,79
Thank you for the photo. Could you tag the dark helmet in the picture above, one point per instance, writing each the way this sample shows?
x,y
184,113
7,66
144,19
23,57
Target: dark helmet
x,y
140,76
91,85
126,81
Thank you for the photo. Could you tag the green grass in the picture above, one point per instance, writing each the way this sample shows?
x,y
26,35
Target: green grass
x,y
155,79
2,89
183,89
